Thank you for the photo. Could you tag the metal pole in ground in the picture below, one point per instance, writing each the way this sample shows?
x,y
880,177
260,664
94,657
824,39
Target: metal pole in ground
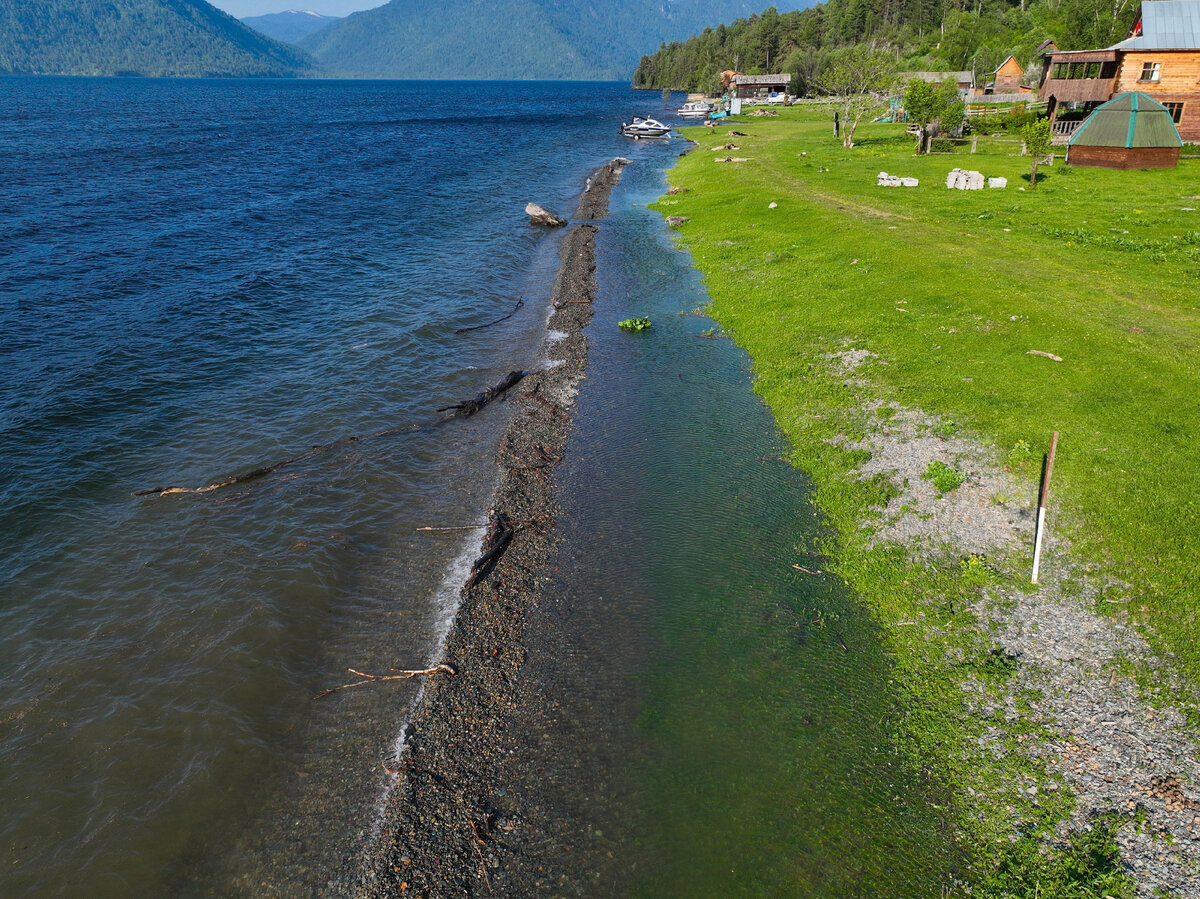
x,y
1041,515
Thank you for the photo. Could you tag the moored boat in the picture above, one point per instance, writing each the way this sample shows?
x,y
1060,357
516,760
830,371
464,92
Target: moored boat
x,y
642,127
697,109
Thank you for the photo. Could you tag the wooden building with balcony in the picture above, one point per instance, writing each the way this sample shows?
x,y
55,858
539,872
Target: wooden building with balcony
x,y
1160,58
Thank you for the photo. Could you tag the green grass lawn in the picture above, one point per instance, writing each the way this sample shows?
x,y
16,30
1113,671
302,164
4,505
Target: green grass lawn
x,y
952,289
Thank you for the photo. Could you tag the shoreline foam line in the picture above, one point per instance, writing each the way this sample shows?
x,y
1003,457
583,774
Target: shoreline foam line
x,y
446,766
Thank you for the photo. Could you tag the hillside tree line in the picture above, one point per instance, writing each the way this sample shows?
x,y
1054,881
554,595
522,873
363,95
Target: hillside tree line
x,y
957,35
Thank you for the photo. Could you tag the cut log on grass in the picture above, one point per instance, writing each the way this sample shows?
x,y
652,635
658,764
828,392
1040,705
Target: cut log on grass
x,y
473,405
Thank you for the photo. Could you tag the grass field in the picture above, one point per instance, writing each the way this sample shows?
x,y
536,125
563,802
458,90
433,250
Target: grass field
x,y
952,290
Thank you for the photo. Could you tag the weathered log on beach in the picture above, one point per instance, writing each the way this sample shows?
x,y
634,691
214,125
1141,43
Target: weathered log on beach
x,y
499,535
539,216
473,405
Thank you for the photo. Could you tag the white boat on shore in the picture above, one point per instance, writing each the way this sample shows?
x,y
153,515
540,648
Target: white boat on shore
x,y
642,127
697,109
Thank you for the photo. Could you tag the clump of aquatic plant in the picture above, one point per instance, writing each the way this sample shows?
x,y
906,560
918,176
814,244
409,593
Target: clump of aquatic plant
x,y
942,476
633,325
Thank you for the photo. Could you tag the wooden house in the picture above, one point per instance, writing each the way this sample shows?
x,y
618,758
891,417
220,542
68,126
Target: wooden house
x,y
964,80
759,87
1131,131
1005,79
1160,58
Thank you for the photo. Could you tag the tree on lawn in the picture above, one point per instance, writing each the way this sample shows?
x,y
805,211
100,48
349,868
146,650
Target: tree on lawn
x,y
861,80
1037,136
932,109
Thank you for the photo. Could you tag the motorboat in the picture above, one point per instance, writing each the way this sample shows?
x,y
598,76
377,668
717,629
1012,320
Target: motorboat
x,y
642,127
697,109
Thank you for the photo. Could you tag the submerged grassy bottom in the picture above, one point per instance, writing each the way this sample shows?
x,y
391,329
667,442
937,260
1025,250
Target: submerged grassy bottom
x,y
949,292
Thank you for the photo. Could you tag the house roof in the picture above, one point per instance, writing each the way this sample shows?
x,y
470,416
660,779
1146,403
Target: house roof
x,y
1166,25
1003,64
763,79
1128,120
936,77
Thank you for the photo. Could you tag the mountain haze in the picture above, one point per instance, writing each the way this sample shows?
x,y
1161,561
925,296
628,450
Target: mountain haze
x,y
512,39
136,37
289,26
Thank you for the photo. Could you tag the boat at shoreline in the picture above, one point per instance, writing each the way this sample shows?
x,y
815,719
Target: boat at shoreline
x,y
642,127
696,109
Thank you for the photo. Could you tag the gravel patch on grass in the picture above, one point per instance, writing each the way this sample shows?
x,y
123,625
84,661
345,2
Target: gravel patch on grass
x,y
1108,744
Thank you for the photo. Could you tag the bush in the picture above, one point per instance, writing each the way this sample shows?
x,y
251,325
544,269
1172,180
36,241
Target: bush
x,y
941,145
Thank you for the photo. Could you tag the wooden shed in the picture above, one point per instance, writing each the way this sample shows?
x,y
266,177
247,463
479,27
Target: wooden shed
x,y
1130,131
1006,78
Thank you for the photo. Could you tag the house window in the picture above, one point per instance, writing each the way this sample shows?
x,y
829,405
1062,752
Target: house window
x,y
1176,111
1151,71
1060,70
1093,70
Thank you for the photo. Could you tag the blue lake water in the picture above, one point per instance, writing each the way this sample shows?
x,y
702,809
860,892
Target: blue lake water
x,y
198,278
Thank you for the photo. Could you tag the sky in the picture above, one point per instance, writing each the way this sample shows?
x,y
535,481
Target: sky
x,y
243,8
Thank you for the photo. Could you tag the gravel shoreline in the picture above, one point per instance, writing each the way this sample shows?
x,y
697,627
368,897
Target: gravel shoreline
x,y
444,820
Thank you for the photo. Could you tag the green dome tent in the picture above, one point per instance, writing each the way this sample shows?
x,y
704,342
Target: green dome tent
x,y
1130,131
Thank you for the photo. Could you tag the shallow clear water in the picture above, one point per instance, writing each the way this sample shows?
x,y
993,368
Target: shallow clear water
x,y
712,721
198,278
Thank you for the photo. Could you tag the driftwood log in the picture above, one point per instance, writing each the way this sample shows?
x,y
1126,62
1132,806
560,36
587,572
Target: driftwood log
x,y
499,535
473,405
520,303
464,409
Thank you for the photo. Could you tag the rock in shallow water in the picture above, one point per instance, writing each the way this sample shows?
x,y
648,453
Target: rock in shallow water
x,y
539,216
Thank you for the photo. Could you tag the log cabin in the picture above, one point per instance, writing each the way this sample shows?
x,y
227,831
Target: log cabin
x,y
1160,58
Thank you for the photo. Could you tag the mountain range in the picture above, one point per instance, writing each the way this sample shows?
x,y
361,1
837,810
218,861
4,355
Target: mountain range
x,y
289,26
514,39
137,37
466,39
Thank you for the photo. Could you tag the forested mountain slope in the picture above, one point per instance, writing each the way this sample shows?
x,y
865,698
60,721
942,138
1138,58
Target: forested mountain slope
x,y
512,39
136,37
925,34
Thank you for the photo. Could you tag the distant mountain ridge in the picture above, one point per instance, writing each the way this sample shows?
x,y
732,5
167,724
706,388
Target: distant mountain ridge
x,y
137,37
289,26
514,39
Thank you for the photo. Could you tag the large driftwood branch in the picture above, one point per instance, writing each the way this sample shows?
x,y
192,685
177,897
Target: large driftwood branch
x,y
464,409
500,533
520,303
398,674
473,405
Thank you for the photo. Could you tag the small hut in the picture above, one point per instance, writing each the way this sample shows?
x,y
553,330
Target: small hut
x,y
1130,131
